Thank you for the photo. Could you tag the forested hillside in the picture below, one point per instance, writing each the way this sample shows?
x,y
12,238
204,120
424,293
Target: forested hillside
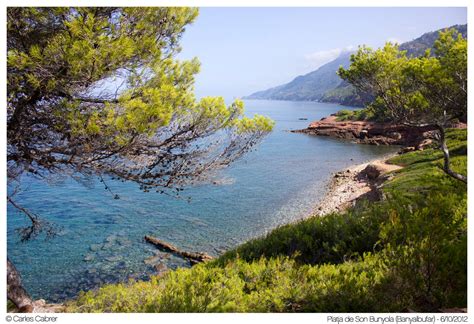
x,y
325,85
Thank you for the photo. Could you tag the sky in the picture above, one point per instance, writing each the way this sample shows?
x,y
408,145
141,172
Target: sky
x,y
244,50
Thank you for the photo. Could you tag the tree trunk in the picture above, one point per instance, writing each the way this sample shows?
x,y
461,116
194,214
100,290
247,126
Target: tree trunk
x,y
444,148
193,257
15,291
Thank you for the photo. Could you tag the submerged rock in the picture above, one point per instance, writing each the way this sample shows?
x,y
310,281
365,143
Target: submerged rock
x,y
160,267
152,260
111,238
123,241
114,258
95,247
107,246
89,257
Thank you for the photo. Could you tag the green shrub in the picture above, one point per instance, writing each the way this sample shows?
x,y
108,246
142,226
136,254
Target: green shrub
x,y
316,240
425,249
421,265
408,251
423,172
457,143
354,115
266,285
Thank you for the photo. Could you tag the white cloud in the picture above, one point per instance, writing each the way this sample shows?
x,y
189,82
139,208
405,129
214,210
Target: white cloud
x,y
319,58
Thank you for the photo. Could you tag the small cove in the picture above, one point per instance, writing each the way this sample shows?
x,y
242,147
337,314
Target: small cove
x,y
101,239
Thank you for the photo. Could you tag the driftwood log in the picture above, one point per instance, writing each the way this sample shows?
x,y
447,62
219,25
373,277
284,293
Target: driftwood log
x,y
193,257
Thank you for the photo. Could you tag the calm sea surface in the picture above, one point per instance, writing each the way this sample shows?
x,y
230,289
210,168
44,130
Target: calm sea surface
x,y
101,239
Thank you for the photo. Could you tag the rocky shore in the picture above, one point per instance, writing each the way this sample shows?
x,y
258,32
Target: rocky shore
x,y
364,180
352,184
365,132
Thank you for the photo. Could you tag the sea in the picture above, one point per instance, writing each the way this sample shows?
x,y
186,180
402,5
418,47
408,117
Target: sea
x,y
100,239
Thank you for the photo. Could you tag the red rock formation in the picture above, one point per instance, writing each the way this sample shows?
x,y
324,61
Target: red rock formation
x,y
370,132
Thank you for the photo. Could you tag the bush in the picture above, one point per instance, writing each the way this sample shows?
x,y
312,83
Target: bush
x,y
266,285
426,251
334,238
354,115
423,173
408,251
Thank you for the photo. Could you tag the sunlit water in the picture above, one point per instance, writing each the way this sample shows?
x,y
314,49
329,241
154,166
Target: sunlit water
x,y
101,239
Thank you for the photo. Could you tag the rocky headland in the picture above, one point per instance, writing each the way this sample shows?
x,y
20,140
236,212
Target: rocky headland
x,y
375,133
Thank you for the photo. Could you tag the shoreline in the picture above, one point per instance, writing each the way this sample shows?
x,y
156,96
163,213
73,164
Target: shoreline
x,y
347,186
343,189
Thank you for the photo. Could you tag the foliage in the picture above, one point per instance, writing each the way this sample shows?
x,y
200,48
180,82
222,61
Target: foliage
x,y
265,285
415,90
439,83
377,73
98,91
406,252
425,237
423,170
333,239
426,250
355,115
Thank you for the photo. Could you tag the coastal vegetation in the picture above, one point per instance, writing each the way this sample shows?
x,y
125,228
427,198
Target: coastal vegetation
x,y
426,91
98,92
355,115
406,252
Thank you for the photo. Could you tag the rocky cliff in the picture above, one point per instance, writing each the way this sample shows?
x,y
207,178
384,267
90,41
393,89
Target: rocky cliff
x,y
371,132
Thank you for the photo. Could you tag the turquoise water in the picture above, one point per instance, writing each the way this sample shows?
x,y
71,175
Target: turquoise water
x,y
101,239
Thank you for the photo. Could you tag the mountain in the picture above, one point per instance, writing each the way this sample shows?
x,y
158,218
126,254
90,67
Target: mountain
x,y
310,86
325,85
418,46
344,94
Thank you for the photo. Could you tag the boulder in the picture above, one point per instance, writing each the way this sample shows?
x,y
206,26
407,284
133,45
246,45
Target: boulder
x,y
424,144
372,171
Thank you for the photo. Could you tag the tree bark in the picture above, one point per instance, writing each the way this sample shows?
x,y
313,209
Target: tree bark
x,y
444,148
194,257
15,291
